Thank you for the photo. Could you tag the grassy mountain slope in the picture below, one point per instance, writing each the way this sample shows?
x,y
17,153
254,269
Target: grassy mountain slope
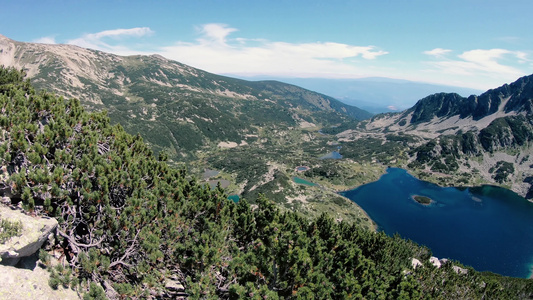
x,y
254,133
129,223
160,98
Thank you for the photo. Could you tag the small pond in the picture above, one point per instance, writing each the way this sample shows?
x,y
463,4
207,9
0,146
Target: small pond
x,y
235,198
210,173
223,183
302,168
299,180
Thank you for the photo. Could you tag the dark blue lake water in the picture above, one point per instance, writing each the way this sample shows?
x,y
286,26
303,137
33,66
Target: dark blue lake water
x,y
488,228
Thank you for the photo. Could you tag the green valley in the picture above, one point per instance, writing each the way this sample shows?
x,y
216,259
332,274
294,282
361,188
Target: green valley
x,y
129,223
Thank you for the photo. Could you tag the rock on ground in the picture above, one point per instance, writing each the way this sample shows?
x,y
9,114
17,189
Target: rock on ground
x,y
20,276
35,232
415,263
435,261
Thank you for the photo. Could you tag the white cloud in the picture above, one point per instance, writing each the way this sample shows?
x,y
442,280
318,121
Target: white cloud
x,y
45,40
98,40
522,57
217,50
116,33
484,68
437,52
489,60
214,51
480,60
215,33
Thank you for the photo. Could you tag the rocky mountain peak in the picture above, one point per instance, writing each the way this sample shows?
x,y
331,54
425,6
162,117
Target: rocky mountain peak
x,y
522,95
444,111
439,105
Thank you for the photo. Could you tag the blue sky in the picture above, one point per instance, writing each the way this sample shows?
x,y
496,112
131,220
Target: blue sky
x,y
471,43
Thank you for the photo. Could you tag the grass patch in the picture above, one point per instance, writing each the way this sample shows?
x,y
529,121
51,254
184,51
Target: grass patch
x,y
9,229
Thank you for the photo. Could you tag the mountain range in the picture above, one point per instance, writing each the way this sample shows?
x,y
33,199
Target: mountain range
x,y
487,136
256,133
376,94
149,94
126,225
250,134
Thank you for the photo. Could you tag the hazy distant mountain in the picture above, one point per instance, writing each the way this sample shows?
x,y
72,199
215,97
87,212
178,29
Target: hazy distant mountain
x,y
376,94
271,127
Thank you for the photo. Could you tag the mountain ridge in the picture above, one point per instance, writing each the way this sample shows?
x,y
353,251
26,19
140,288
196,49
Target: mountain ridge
x,y
78,62
476,135
148,87
254,134
478,106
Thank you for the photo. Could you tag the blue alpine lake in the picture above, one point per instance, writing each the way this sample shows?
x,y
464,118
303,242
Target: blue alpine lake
x,y
235,198
488,228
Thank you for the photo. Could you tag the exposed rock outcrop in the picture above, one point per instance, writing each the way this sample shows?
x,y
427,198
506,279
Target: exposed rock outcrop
x,y
435,261
460,270
35,232
20,276
175,289
415,263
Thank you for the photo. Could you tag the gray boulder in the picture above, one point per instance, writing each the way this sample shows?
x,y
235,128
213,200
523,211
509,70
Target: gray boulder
x,y
435,261
415,263
459,270
35,231
174,289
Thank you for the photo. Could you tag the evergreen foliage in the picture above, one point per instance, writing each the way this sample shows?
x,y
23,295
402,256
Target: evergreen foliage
x,y
9,229
128,222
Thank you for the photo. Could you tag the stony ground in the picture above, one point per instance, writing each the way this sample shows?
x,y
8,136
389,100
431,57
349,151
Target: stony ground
x,y
30,282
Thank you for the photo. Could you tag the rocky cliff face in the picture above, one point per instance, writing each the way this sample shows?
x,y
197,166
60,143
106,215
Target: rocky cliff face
x,y
443,111
516,98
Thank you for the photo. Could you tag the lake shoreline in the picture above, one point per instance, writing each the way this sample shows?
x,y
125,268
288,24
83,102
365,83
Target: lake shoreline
x,y
460,187
458,214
